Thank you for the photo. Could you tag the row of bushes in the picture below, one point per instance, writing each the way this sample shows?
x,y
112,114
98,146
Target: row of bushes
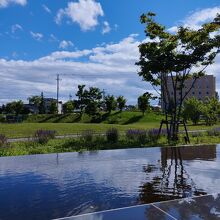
x,y
111,136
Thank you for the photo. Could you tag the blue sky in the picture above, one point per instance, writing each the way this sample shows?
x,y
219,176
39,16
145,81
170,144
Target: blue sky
x,y
99,37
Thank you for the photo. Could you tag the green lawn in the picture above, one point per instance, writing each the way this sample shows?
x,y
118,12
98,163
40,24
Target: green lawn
x,y
28,129
64,124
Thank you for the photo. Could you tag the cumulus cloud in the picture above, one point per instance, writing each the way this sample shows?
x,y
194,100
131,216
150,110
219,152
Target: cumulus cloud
x,y
37,36
46,9
197,18
106,27
16,27
6,3
85,13
109,67
65,44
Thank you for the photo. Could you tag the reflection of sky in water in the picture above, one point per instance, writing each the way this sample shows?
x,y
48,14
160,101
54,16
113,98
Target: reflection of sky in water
x,y
51,186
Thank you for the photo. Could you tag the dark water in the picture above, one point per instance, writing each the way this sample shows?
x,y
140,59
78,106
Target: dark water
x,y
59,185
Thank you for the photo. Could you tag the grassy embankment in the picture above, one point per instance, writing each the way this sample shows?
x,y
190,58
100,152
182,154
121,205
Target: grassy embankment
x,y
72,124
122,121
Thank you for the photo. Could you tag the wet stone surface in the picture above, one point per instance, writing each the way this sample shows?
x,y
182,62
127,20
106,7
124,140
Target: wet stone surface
x,y
54,186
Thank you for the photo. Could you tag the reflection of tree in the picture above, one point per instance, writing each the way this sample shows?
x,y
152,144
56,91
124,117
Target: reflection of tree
x,y
168,181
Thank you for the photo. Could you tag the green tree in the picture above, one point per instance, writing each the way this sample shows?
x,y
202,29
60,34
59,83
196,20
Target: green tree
x,y
16,107
176,56
35,100
89,100
110,103
93,101
144,102
210,111
42,109
68,107
53,107
121,101
192,109
81,94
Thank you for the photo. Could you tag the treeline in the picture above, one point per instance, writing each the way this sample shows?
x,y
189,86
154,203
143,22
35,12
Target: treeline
x,y
91,101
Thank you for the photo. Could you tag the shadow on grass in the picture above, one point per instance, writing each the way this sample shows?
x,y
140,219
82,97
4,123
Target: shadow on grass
x,y
133,120
46,119
77,118
60,118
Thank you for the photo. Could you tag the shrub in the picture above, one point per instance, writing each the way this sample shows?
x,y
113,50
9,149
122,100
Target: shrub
x,y
214,132
87,136
43,136
3,140
153,134
137,135
112,135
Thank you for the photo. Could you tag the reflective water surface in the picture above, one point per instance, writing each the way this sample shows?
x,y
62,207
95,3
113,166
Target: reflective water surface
x,y
60,185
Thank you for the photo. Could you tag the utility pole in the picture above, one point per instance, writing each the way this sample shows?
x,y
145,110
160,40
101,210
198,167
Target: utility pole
x,y
58,89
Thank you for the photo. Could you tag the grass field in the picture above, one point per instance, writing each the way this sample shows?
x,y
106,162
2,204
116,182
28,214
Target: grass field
x,y
63,124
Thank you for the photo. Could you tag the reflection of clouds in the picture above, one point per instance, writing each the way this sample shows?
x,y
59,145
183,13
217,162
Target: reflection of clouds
x,y
215,212
205,174
119,169
113,174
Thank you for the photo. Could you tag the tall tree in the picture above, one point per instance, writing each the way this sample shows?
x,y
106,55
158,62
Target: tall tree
x,y
53,107
42,109
89,100
144,102
178,56
81,94
210,110
121,101
15,107
110,103
192,109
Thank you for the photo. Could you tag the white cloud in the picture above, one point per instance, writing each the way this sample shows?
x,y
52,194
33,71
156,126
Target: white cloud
x,y
65,55
106,27
16,27
6,3
197,18
65,44
46,9
53,38
111,67
85,13
37,36
124,52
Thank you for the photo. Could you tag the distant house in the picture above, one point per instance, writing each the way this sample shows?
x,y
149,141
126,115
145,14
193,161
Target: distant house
x,y
32,108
